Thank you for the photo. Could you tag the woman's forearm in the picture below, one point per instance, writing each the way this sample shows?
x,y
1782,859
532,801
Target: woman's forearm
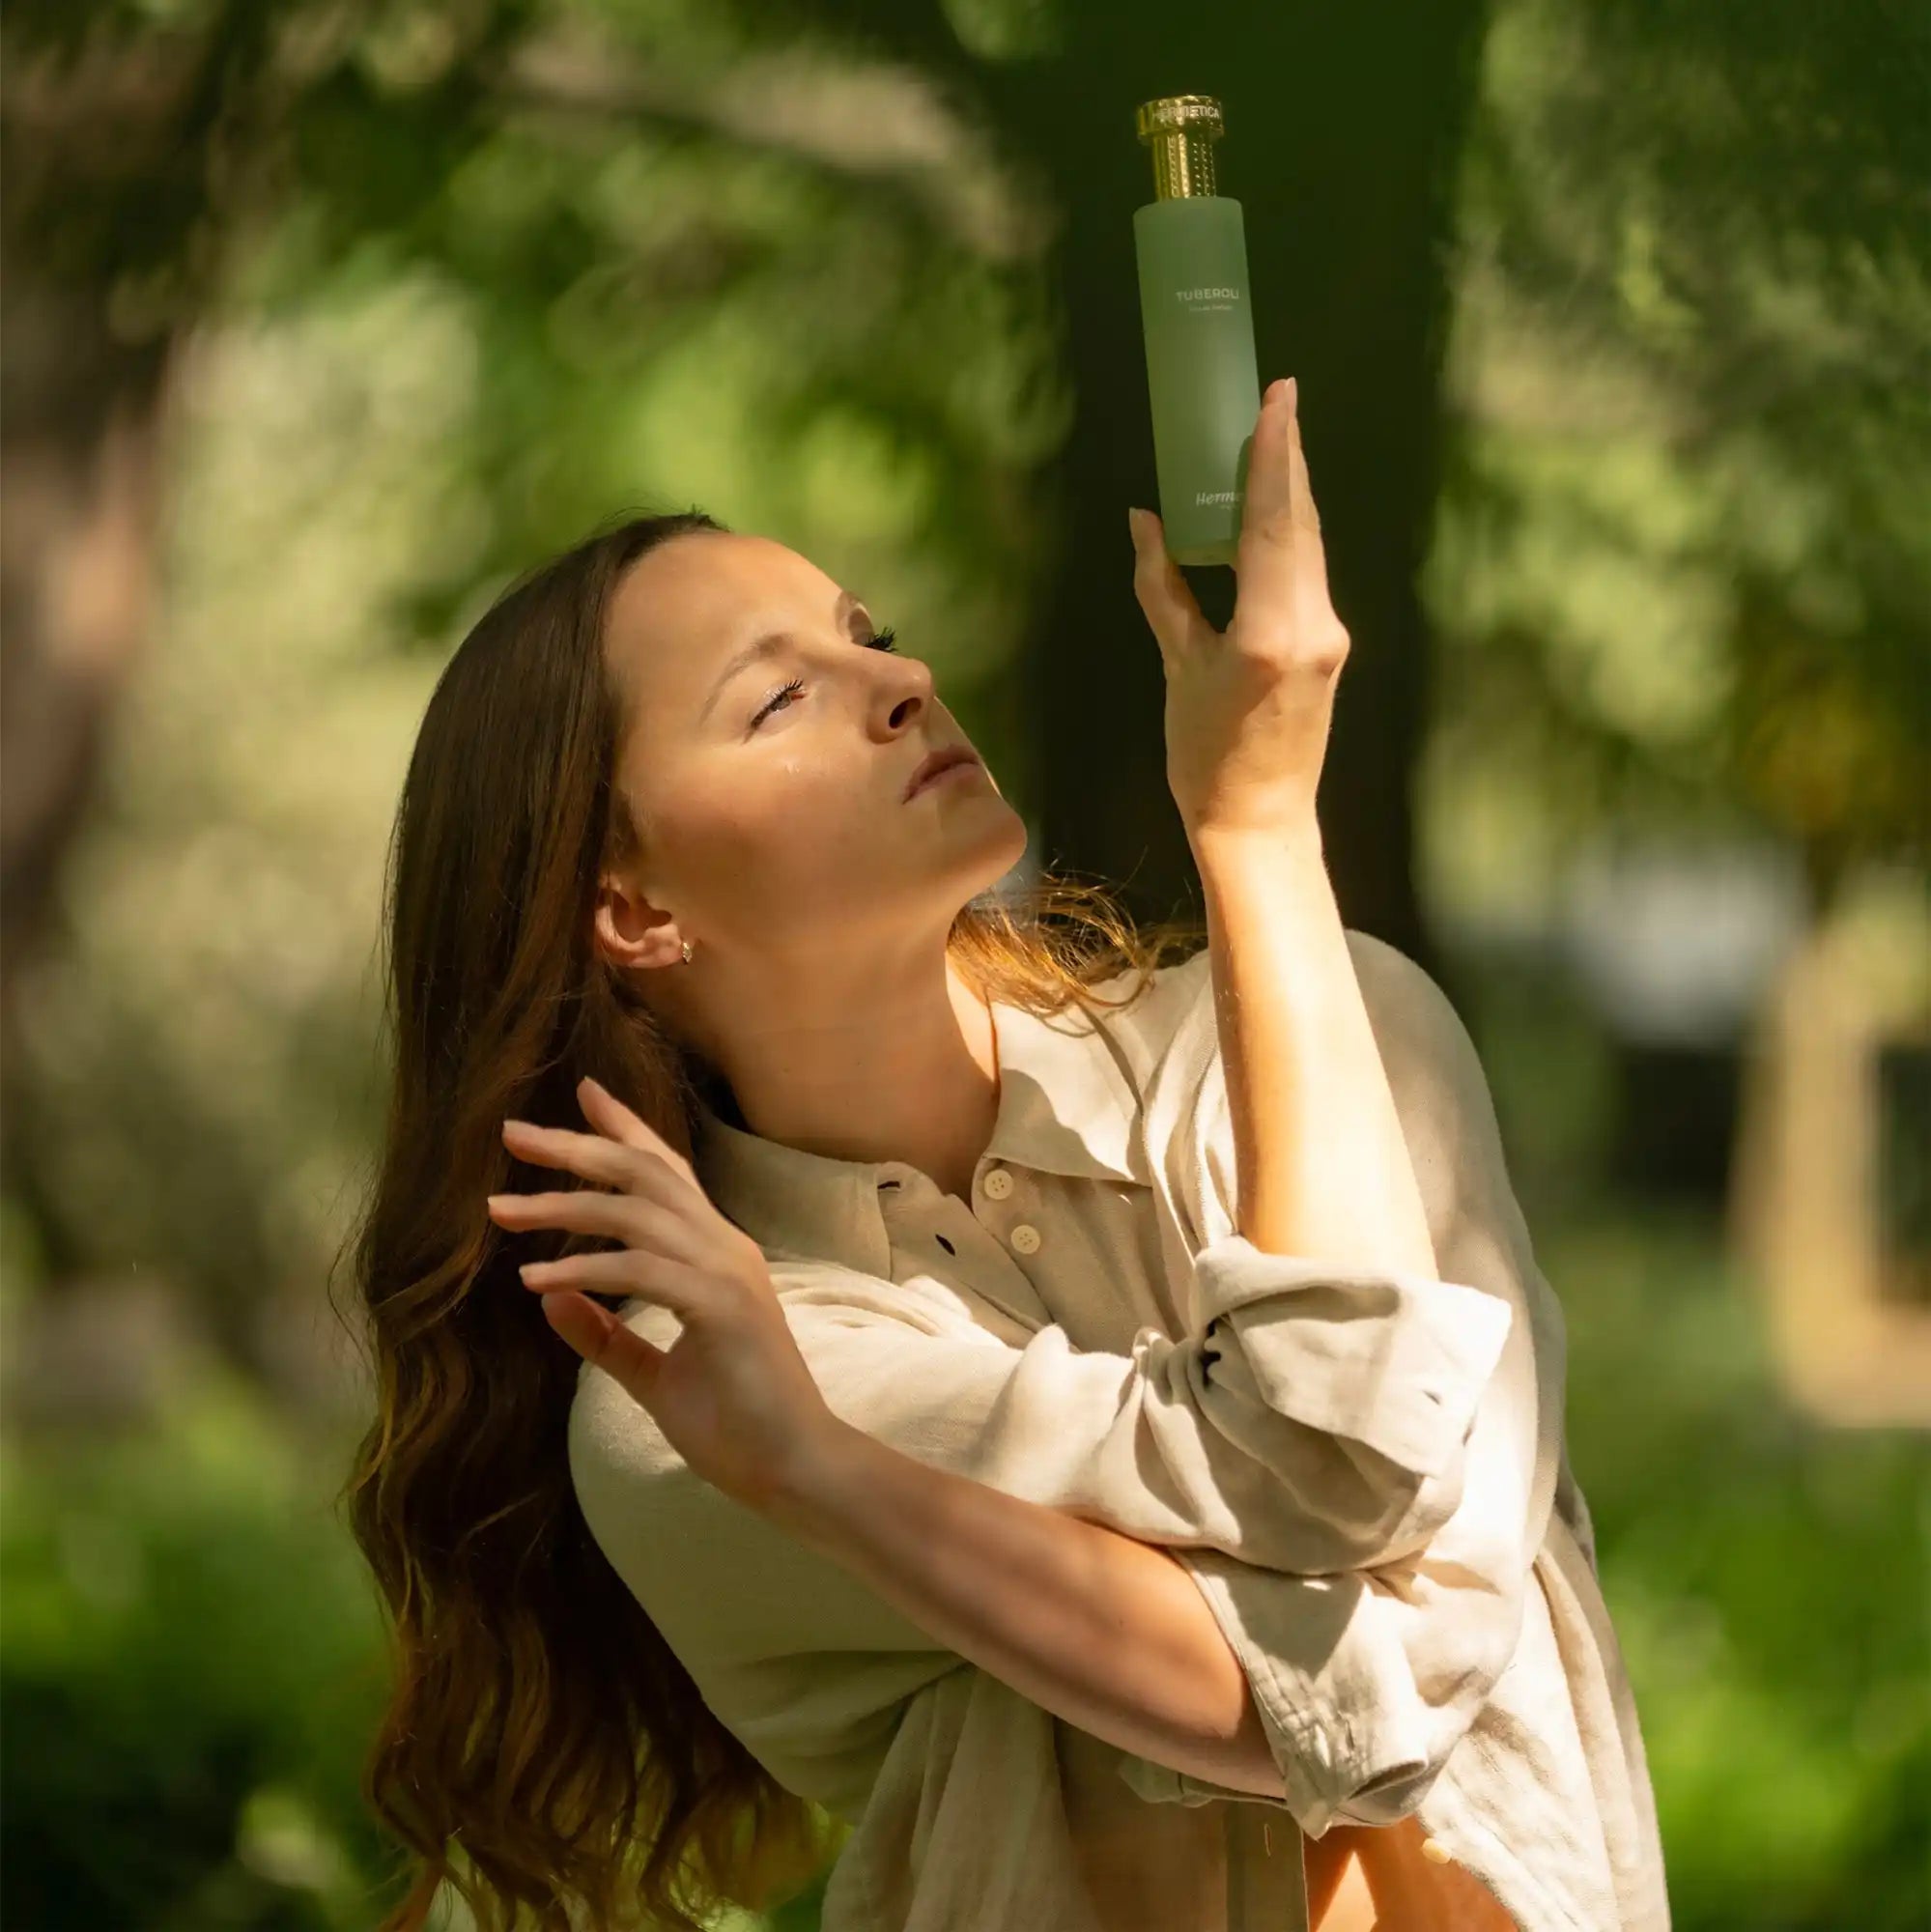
x,y
1100,1628
1323,1167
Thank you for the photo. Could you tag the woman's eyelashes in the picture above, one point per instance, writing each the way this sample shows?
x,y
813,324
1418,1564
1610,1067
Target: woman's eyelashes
x,y
880,641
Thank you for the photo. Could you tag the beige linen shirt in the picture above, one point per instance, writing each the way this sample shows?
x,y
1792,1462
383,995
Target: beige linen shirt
x,y
1363,1470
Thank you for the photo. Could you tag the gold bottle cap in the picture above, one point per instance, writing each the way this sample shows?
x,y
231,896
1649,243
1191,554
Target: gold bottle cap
x,y
1181,129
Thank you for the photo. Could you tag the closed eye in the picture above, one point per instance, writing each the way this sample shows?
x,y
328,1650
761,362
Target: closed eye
x,y
880,641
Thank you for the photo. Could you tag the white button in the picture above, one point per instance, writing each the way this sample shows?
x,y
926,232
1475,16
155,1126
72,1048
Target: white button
x,y
998,1182
1433,1848
1025,1237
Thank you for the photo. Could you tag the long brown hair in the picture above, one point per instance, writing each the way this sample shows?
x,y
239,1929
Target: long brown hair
x,y
542,1748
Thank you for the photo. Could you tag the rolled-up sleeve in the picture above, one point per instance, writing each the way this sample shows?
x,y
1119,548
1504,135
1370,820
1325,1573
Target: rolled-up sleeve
x,y
1393,1360
1366,1681
1315,1424
1166,1444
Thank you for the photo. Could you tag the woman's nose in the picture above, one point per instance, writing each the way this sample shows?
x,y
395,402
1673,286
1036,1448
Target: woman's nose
x,y
910,691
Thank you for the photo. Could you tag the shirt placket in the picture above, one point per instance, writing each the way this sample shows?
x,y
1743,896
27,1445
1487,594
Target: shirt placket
x,y
1267,1874
983,1244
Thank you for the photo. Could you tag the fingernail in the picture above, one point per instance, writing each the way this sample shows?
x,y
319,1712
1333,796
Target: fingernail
x,y
1136,523
1274,389
1293,392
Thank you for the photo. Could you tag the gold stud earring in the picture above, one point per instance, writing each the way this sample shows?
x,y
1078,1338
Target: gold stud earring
x,y
687,953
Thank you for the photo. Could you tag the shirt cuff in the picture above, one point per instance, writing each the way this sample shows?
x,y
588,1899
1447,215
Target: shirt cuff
x,y
1389,1358
1343,1718
1309,1799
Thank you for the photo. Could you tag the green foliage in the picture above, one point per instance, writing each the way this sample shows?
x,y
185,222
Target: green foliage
x,y
1766,1575
1681,568
189,1675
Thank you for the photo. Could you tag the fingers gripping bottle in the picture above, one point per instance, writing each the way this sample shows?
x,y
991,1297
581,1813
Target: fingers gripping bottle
x,y
1202,378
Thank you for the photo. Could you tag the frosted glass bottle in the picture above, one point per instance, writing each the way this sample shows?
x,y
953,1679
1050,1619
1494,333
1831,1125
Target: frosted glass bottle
x,y
1202,378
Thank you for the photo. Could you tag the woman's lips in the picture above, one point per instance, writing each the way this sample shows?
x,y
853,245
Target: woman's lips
x,y
966,763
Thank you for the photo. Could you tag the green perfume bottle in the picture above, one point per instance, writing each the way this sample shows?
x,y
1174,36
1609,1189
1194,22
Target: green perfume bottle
x,y
1203,377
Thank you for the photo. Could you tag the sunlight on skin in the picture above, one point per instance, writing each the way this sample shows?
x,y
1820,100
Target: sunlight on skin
x,y
1338,1899
1355,1872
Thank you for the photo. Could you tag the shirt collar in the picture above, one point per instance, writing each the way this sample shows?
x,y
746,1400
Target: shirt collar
x,y
1066,1105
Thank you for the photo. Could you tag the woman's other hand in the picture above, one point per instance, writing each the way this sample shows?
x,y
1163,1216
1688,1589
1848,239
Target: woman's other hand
x,y
732,1394
1248,711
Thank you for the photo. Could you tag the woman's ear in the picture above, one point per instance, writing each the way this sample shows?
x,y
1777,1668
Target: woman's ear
x,y
630,931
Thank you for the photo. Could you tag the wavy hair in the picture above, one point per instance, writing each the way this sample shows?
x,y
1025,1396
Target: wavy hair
x,y
541,1750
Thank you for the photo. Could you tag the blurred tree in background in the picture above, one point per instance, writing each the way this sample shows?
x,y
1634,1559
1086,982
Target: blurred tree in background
x,y
1614,322
1682,573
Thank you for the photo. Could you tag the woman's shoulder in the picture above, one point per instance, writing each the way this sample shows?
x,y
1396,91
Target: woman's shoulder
x,y
1173,1007
1141,1014
1397,990
1169,1039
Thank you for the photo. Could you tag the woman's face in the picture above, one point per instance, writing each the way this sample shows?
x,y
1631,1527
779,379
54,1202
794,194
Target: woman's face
x,y
768,788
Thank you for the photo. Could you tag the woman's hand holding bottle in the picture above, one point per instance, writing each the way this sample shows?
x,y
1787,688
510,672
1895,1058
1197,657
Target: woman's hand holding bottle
x,y
1248,710
732,1394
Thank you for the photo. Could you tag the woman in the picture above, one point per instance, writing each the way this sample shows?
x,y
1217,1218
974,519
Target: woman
x,y
961,1460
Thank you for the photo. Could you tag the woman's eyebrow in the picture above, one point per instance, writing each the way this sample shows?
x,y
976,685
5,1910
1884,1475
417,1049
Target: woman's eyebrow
x,y
766,646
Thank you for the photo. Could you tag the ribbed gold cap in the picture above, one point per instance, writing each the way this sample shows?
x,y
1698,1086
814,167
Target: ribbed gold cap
x,y
1181,129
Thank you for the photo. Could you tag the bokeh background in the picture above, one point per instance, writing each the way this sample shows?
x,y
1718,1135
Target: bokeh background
x,y
1612,321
